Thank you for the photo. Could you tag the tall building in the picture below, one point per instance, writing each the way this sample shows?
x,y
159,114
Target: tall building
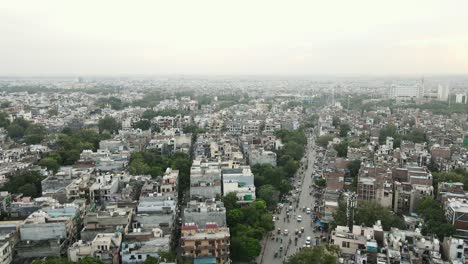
x,y
407,92
443,92
461,98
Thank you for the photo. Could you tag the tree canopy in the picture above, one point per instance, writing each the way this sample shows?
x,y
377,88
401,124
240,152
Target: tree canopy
x,y
248,225
435,222
71,143
150,162
142,124
367,213
323,140
114,102
109,124
28,183
344,129
323,254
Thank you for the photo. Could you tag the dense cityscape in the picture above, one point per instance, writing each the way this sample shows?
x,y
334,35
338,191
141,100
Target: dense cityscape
x,y
233,170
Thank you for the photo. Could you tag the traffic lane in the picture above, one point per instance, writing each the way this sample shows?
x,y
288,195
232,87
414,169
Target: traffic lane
x,y
274,246
305,200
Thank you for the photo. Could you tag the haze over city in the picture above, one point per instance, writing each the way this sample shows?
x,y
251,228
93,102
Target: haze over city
x,y
49,38
233,132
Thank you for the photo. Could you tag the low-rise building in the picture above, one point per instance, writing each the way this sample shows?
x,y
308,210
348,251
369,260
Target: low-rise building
x,y
104,246
260,156
209,244
239,181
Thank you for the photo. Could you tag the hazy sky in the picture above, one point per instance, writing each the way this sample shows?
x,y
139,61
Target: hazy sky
x,y
233,37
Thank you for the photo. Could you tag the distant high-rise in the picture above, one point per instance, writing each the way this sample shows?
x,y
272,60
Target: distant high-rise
x,y
461,98
443,92
407,92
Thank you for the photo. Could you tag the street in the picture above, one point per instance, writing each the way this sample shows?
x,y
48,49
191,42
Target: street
x,y
306,200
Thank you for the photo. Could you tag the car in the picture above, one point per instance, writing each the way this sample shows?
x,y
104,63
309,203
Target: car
x,y
308,211
273,219
299,218
286,232
308,240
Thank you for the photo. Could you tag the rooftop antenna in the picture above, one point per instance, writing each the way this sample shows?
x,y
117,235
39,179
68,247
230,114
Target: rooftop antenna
x,y
350,205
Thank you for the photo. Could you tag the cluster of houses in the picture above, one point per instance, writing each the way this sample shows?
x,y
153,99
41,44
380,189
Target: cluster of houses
x,y
396,177
96,208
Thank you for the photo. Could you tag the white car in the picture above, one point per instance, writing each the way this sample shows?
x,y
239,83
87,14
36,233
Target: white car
x,y
308,241
286,232
299,218
308,211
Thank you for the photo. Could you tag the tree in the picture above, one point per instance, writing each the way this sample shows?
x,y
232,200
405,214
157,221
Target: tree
x,y
235,217
35,133
248,226
139,167
4,120
342,149
244,248
142,124
151,260
321,182
344,129
435,222
24,183
50,163
28,189
167,256
367,213
432,166
230,201
269,194
15,131
323,254
108,123
336,121
354,167
323,140
5,104
90,260
388,131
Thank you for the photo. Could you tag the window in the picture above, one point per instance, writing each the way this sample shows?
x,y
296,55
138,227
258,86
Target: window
x,y
362,232
345,244
139,256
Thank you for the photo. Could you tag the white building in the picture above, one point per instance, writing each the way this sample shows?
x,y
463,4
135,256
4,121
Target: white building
x,y
407,92
239,181
105,246
443,92
461,99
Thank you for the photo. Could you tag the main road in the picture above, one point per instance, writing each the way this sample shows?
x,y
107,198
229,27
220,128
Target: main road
x,y
301,199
